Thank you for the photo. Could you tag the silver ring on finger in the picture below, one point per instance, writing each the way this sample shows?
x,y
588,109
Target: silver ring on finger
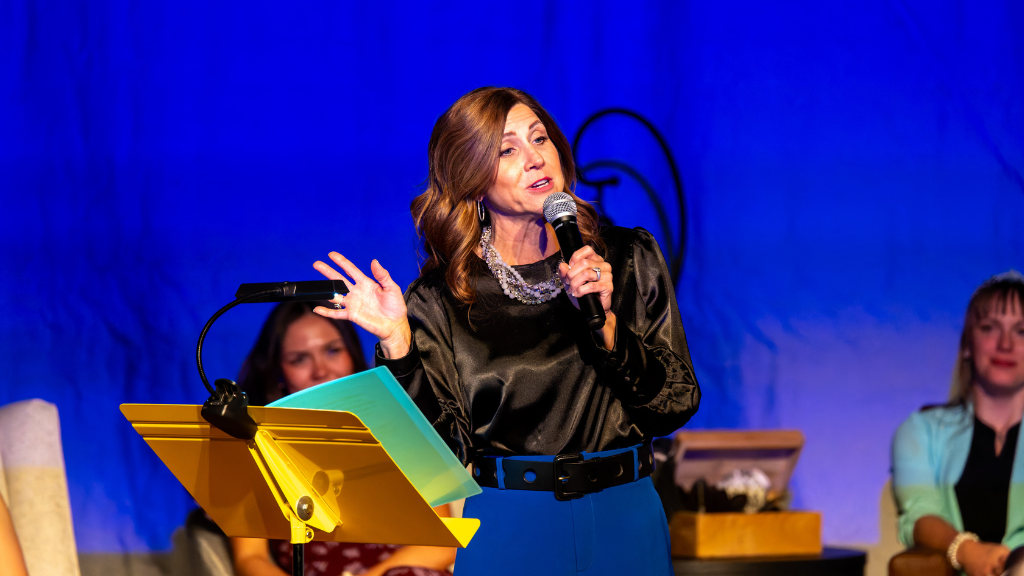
x,y
339,297
598,272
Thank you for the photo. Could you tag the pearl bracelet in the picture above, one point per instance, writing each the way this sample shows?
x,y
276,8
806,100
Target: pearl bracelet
x,y
955,545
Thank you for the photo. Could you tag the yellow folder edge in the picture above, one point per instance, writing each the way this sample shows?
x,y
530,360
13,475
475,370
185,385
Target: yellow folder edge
x,y
462,528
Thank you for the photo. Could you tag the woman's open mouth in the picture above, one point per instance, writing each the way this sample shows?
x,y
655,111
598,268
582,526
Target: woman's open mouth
x,y
541,184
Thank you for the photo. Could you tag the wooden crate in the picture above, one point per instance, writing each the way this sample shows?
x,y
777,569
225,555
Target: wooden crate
x,y
732,534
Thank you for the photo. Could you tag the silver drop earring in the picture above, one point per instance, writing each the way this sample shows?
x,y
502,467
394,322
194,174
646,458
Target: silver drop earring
x,y
481,212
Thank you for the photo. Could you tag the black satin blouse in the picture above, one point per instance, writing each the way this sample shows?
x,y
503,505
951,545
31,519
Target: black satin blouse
x,y
506,378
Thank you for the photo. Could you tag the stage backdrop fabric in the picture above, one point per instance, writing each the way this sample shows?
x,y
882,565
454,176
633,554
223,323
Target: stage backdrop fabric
x,y
853,170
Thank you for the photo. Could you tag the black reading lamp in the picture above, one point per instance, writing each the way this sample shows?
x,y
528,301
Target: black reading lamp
x,y
227,406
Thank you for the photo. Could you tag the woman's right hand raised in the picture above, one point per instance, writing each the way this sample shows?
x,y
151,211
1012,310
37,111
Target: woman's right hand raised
x,y
374,304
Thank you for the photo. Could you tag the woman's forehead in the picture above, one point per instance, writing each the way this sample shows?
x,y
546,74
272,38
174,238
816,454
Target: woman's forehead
x,y
308,326
520,117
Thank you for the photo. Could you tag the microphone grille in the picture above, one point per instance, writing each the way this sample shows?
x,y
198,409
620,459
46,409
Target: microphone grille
x,y
558,204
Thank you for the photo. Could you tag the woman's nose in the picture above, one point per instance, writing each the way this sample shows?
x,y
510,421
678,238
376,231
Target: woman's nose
x,y
533,158
1006,340
319,369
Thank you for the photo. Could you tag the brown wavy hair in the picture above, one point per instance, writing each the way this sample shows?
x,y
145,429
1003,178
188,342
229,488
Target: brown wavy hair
x,y
996,294
463,156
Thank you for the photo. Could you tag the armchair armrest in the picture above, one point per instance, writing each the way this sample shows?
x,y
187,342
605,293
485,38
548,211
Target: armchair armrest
x,y
919,561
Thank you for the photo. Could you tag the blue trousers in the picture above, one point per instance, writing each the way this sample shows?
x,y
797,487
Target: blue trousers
x,y
619,531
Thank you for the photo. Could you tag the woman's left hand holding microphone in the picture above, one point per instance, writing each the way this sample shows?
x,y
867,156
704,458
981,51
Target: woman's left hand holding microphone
x,y
374,304
588,273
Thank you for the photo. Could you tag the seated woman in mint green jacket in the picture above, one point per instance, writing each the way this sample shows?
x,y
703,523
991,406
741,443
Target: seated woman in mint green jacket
x,y
958,469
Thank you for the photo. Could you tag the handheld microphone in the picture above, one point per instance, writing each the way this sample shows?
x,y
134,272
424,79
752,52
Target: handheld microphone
x,y
560,211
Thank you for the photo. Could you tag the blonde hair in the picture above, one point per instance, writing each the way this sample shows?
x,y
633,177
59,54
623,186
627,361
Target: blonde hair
x,y
1002,292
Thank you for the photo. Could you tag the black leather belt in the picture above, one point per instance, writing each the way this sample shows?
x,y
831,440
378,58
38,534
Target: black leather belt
x,y
575,476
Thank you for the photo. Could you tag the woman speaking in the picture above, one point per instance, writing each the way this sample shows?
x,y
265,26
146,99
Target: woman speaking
x,y
490,344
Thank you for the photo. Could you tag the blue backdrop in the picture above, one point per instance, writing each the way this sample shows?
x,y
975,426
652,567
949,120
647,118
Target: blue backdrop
x,y
853,171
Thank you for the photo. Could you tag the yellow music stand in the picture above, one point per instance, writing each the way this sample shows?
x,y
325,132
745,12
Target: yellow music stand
x,y
307,475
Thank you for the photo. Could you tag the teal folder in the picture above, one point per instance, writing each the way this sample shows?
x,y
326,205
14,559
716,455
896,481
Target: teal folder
x,y
377,399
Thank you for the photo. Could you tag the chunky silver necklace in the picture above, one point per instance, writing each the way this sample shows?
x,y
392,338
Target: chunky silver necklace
x,y
512,283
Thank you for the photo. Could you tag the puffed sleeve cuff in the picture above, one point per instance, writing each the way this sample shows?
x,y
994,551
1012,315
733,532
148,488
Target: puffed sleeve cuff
x,y
635,378
399,367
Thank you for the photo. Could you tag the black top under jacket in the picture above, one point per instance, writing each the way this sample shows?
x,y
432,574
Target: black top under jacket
x,y
983,491
507,378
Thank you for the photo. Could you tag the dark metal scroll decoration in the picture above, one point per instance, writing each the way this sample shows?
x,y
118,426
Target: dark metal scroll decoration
x,y
675,252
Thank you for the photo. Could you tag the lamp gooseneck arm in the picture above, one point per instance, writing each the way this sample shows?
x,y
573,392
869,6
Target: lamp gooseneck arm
x,y
209,323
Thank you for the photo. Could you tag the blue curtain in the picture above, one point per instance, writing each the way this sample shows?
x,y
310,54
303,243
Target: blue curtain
x,y
853,170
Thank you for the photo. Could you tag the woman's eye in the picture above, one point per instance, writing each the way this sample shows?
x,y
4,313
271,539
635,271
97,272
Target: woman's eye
x,y
984,327
296,360
335,350
507,152
540,140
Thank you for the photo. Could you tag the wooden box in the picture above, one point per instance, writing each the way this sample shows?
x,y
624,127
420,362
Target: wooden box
x,y
728,534
714,454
